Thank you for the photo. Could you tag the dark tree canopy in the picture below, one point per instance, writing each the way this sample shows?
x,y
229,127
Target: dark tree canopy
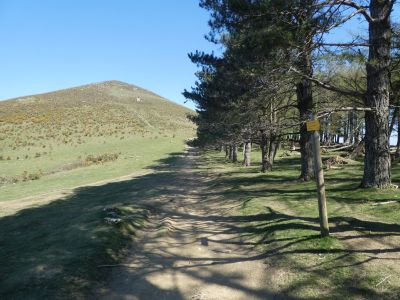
x,y
277,70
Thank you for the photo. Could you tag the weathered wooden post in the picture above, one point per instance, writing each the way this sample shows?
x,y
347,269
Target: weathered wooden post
x,y
314,126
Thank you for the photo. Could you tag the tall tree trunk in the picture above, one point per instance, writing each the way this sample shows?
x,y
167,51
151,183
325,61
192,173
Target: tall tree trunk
x,y
234,153
272,151
357,130
304,99
351,126
226,151
346,130
278,145
264,152
230,153
328,131
305,105
247,154
398,134
377,152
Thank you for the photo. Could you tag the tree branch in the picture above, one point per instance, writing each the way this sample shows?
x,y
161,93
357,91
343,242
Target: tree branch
x,y
360,9
344,44
328,86
331,111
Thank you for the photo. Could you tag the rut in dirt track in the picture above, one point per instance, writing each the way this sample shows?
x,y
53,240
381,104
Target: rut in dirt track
x,y
191,248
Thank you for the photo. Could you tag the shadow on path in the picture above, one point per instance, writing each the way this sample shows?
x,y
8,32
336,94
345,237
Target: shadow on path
x,y
190,248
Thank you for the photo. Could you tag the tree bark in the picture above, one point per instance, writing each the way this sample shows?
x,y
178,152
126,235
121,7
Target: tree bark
x,y
328,131
234,153
351,126
346,130
273,145
264,152
377,152
305,105
398,134
304,100
357,130
247,154
278,145
230,156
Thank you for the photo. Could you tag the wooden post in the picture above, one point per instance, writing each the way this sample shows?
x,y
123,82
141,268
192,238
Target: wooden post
x,y
319,177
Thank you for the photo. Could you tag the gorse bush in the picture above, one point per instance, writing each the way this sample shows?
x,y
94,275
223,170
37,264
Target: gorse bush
x,y
25,176
66,117
102,158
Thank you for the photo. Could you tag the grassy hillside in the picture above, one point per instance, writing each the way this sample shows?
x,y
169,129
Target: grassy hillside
x,y
50,144
83,134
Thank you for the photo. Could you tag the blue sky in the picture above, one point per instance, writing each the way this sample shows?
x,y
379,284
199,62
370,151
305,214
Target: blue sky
x,y
47,45
52,44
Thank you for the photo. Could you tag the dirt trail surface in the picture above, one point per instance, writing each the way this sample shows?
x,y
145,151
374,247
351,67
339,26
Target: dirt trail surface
x,y
188,250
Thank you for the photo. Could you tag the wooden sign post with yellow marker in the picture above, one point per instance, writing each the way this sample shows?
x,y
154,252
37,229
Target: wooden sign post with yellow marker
x,y
315,126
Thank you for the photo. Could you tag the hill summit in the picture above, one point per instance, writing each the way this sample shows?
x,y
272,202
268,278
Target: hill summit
x,y
100,109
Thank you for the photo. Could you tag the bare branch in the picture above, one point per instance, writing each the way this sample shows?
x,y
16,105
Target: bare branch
x,y
328,86
335,110
359,8
344,44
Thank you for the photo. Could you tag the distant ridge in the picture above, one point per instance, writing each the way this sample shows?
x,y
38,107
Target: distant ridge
x,y
96,85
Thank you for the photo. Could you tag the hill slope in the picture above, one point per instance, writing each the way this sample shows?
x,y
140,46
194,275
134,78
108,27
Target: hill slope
x,y
103,109
43,135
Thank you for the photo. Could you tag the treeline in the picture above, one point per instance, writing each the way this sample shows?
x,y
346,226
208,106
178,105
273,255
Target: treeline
x,y
279,68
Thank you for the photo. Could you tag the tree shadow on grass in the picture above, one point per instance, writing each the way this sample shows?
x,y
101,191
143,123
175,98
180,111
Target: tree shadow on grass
x,y
53,251
262,229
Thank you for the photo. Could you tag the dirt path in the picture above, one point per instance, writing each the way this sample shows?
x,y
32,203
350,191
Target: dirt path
x,y
189,250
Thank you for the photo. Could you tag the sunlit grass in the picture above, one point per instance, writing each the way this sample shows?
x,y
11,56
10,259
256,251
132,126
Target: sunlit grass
x,y
285,225
46,139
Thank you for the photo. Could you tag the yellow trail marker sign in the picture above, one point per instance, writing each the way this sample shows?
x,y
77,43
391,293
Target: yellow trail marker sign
x,y
313,125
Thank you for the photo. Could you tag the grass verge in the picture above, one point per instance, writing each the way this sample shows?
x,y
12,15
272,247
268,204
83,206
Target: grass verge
x,y
53,251
358,261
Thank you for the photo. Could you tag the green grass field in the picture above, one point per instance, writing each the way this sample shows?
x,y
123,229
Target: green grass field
x,y
136,154
54,148
358,261
66,138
